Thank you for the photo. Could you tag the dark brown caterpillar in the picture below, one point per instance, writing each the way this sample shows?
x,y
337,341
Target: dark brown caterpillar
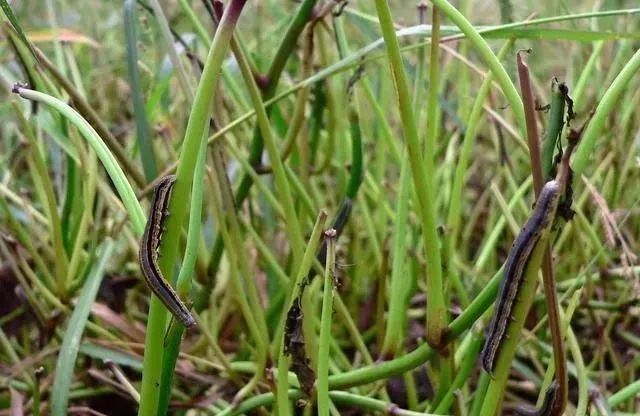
x,y
515,266
148,255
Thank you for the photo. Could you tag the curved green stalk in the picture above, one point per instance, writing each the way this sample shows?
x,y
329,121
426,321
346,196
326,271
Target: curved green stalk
x,y
581,374
626,393
607,104
481,46
200,30
128,197
371,404
587,73
85,109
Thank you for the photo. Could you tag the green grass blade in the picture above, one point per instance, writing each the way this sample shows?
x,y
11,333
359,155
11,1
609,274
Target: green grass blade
x,y
103,353
142,125
73,335
8,13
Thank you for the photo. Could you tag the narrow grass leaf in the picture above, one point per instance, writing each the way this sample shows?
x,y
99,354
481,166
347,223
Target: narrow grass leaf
x,y
103,353
139,111
73,335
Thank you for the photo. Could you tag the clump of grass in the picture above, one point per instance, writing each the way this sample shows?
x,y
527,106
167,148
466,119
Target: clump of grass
x,y
400,124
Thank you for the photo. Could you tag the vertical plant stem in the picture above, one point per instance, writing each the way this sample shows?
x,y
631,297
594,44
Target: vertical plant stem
x,y
196,129
434,80
296,122
400,280
454,215
547,263
325,325
183,284
291,217
480,392
496,388
285,49
554,127
422,172
466,366
420,65
142,124
89,187
444,363
531,124
184,80
241,282
201,32
294,292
